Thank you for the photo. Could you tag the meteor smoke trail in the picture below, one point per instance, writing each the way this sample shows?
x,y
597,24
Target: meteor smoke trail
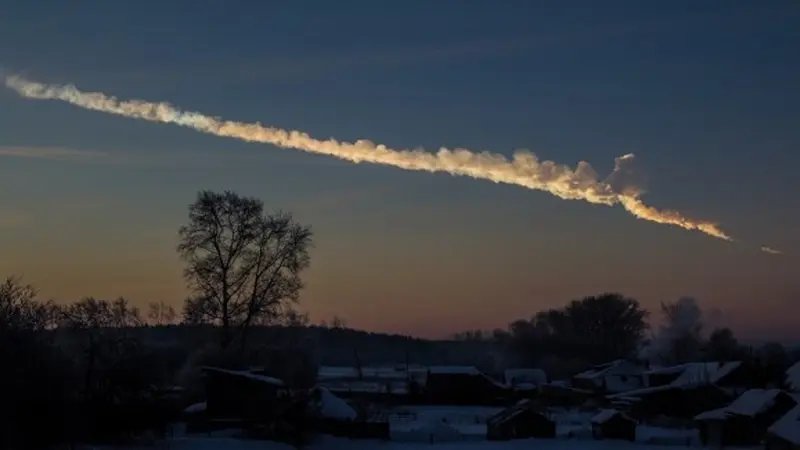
x,y
524,169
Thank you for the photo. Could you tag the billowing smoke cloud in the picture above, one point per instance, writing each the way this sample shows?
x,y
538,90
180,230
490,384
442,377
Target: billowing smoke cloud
x,y
523,169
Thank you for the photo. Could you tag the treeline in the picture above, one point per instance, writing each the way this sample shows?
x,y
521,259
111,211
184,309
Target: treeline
x,y
599,329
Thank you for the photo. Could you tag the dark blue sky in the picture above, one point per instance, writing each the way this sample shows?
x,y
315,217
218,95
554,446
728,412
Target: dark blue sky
x,y
707,94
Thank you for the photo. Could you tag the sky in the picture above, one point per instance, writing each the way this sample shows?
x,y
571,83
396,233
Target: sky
x,y
706,94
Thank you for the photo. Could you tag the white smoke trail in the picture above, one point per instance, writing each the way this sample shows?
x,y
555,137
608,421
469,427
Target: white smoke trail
x,y
524,169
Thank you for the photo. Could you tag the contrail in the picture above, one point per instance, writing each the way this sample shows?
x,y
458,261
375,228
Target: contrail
x,y
523,169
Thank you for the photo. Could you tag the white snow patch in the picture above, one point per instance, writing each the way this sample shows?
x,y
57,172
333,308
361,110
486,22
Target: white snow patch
x,y
331,406
196,408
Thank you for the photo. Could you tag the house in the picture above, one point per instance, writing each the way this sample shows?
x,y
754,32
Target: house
x,y
613,424
744,421
784,434
243,395
685,391
520,421
463,385
614,377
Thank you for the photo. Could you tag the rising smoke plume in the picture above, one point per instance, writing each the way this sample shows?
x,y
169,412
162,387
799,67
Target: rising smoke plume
x,y
523,169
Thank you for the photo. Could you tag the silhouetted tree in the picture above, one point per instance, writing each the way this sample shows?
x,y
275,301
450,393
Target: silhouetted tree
x,y
594,329
161,313
723,346
35,378
243,265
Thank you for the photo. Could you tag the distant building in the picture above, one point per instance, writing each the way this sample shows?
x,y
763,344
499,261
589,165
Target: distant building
x,y
613,424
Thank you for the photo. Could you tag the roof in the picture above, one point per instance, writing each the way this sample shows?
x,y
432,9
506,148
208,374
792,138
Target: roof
x,y
604,369
788,426
606,414
245,374
692,375
749,404
793,377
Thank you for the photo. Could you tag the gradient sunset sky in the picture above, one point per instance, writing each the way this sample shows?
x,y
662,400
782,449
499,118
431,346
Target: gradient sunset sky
x,y
705,93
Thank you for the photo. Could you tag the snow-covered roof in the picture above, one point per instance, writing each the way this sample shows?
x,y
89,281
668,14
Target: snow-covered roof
x,y
602,369
331,406
196,408
454,370
606,414
751,403
691,375
246,374
788,426
793,377
714,414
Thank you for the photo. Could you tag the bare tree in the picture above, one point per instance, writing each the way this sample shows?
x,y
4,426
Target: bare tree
x,y
161,313
243,266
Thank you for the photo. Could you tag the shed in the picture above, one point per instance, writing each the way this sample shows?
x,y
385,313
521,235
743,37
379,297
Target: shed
x,y
613,424
520,421
746,420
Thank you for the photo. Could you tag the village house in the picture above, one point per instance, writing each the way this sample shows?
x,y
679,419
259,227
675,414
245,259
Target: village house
x,y
614,377
521,421
784,434
745,421
613,424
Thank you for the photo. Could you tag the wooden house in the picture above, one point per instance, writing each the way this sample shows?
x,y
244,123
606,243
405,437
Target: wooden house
x,y
520,421
784,434
746,420
613,424
242,395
